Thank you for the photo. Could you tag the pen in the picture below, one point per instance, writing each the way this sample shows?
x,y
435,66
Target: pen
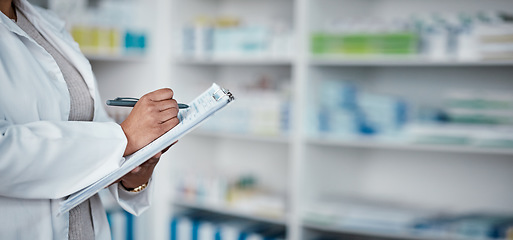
x,y
130,102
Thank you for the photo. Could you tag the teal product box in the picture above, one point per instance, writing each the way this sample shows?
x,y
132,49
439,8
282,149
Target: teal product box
x,y
135,41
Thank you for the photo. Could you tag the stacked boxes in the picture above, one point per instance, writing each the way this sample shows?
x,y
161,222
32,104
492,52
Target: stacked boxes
x,y
198,225
229,37
456,36
344,110
109,40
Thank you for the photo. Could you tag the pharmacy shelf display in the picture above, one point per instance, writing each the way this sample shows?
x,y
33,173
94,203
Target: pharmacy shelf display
x,y
352,232
246,47
230,212
211,222
396,126
370,234
103,29
360,142
293,65
403,78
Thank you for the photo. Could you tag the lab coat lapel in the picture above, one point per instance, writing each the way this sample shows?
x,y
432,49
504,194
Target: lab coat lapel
x,y
56,35
11,26
43,57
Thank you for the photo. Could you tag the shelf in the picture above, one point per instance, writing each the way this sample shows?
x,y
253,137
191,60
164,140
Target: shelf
x,y
243,137
376,234
342,230
116,58
230,212
286,159
412,61
382,144
241,60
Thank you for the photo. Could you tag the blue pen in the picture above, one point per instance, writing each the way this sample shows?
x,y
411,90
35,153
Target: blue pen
x,y
130,102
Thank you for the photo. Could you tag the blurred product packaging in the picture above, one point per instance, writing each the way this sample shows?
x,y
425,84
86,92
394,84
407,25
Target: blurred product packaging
x,y
200,225
496,41
240,192
474,118
270,117
457,36
110,27
229,37
477,118
345,111
407,221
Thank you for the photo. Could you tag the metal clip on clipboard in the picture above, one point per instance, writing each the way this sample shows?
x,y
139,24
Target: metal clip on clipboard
x,y
220,93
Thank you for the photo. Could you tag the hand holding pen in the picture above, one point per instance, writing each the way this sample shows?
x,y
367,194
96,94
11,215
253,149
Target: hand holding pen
x,y
152,116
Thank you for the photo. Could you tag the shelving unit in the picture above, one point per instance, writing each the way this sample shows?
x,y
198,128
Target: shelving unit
x,y
316,166
372,234
262,61
226,211
377,234
400,172
404,62
243,137
371,143
305,168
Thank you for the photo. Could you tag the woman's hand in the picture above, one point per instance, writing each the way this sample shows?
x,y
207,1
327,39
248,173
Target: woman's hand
x,y
154,114
141,174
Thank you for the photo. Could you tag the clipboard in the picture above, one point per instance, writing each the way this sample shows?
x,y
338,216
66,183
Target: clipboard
x,y
201,108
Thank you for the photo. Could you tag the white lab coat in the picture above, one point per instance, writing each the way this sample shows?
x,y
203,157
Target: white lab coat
x,y
43,157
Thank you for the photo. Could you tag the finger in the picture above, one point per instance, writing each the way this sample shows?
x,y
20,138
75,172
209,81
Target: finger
x,y
168,114
170,123
148,166
136,169
168,104
157,156
161,94
150,163
153,160
167,148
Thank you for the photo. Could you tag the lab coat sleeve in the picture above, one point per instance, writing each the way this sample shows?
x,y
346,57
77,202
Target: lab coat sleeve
x,y
50,160
134,203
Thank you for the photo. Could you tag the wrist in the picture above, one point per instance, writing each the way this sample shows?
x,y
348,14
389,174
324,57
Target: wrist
x,y
129,149
134,189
